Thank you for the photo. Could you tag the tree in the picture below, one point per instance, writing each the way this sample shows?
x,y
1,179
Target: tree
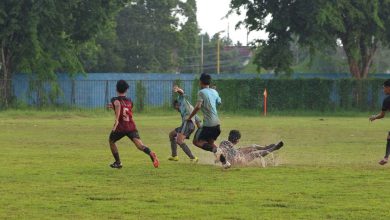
x,y
189,45
42,36
357,25
148,35
103,53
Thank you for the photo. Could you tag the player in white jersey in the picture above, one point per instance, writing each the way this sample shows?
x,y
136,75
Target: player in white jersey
x,y
243,156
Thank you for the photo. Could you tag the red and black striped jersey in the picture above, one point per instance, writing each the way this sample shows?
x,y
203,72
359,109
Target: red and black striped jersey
x,y
126,122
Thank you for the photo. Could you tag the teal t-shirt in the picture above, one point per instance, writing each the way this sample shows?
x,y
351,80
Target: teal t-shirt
x,y
209,99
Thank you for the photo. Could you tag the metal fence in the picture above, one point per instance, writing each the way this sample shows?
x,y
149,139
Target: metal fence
x,y
92,94
237,94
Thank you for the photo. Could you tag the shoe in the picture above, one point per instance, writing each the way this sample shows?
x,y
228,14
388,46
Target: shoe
x,y
195,160
116,165
218,154
153,156
175,158
279,145
227,165
266,147
383,161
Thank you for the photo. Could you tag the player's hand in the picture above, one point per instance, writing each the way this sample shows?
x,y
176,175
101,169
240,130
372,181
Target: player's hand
x,y
188,118
109,106
175,88
372,118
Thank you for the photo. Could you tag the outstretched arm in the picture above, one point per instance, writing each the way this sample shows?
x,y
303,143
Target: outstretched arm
x,y
198,122
378,116
196,109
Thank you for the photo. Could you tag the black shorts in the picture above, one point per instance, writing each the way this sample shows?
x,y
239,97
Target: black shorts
x,y
186,128
116,136
207,133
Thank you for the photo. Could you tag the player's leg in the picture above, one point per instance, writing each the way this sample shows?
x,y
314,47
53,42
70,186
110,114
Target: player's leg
x,y
264,147
180,141
197,141
134,137
263,153
114,137
184,133
386,157
211,136
246,150
204,139
172,136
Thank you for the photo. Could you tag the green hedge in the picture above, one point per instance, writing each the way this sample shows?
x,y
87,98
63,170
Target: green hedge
x,y
301,94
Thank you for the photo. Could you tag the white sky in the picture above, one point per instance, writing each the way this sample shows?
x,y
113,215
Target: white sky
x,y
211,19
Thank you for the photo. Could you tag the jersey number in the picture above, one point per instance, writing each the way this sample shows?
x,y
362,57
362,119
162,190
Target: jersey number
x,y
126,116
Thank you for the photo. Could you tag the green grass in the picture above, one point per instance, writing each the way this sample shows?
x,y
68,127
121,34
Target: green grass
x,y
55,165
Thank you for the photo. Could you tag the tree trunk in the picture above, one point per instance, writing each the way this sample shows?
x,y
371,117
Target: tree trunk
x,y
359,66
5,94
367,53
354,67
6,72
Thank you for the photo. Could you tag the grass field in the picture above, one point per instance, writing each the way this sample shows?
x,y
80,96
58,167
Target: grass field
x,y
55,165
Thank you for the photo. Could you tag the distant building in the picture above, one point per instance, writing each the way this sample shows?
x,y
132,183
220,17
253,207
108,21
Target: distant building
x,y
243,53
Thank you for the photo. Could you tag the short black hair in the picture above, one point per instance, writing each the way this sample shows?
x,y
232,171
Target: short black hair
x,y
234,136
175,102
386,83
205,79
122,86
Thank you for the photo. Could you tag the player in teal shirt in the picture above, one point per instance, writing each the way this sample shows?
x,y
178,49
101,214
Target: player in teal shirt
x,y
178,135
208,99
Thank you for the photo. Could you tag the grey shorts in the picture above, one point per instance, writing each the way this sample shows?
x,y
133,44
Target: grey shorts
x,y
186,128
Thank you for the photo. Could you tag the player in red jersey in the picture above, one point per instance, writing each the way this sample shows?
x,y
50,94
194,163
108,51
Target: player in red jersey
x,y
125,126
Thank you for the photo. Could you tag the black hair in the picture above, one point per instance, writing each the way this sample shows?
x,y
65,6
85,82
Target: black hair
x,y
205,79
234,136
122,86
386,83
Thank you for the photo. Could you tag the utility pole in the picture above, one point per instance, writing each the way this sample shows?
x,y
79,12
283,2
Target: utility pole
x,y
218,55
247,37
201,55
218,50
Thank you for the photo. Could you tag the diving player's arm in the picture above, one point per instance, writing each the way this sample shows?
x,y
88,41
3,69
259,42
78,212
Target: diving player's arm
x,y
378,116
117,108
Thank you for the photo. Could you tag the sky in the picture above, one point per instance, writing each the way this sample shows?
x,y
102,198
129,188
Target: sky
x,y
211,19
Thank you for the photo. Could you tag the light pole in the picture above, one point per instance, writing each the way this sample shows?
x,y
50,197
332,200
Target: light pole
x,y
218,50
201,55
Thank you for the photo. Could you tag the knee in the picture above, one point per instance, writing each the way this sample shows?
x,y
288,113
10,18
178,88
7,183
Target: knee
x,y
179,141
171,136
